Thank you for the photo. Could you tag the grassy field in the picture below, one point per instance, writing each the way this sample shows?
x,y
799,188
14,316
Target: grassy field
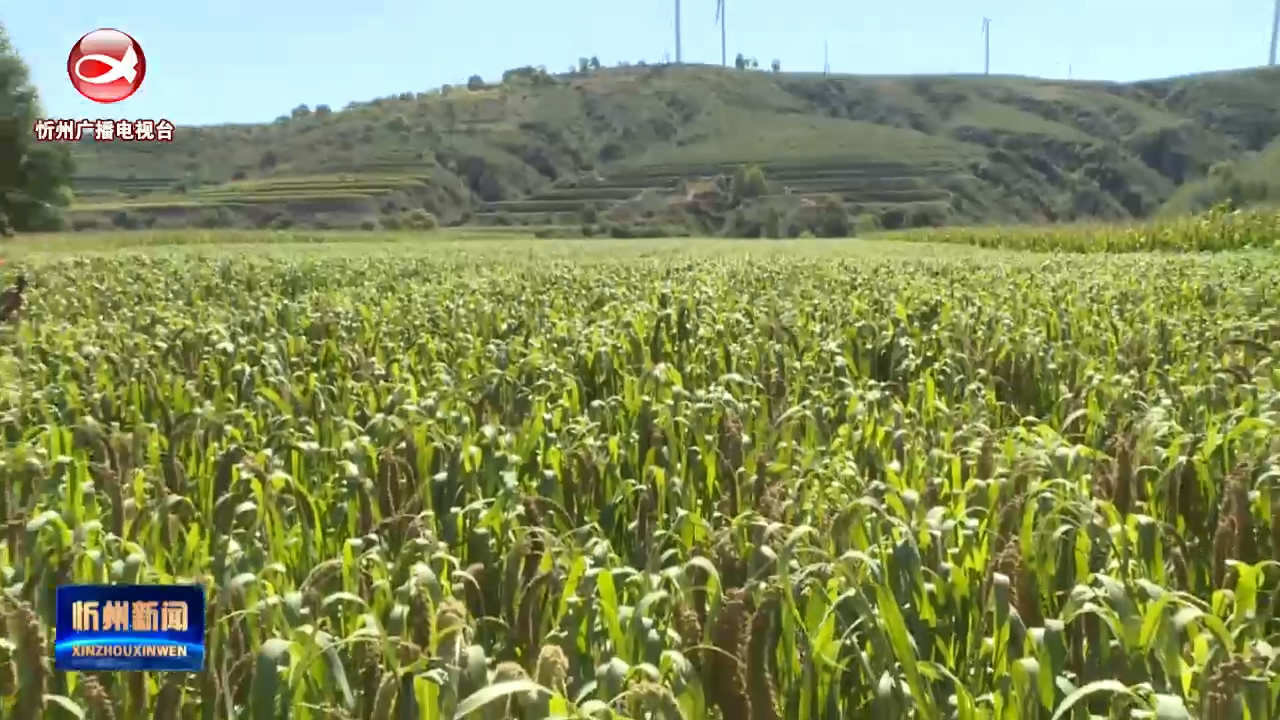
x,y
466,475
996,149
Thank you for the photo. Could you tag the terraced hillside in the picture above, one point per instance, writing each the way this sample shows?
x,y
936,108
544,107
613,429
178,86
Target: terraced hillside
x,y
539,149
328,200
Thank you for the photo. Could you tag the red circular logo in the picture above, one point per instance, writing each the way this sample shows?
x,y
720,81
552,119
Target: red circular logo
x,y
106,65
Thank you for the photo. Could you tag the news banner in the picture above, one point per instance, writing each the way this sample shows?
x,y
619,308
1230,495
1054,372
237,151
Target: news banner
x,y
130,628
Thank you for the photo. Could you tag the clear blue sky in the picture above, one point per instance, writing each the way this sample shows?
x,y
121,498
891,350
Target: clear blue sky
x,y
250,60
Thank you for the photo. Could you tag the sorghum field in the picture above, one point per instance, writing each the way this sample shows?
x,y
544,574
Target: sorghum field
x,y
750,481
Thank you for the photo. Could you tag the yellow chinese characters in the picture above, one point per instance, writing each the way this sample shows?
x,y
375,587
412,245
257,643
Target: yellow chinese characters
x,y
173,616
123,616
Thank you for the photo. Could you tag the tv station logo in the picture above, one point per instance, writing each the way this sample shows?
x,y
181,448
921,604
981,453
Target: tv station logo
x,y
130,628
54,130
105,66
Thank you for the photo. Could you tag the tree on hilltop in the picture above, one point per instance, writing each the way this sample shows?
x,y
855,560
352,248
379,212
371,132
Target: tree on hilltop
x,y
35,178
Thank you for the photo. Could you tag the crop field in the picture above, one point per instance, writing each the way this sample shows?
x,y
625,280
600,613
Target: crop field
x,y
486,478
1217,230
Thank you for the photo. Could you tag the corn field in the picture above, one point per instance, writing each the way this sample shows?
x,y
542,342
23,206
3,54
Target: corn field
x,y
1216,230
677,487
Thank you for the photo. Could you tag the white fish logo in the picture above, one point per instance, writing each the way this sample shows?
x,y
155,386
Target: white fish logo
x,y
125,68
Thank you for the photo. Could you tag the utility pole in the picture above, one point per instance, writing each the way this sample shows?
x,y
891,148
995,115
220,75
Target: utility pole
x,y
679,56
1275,31
826,58
986,33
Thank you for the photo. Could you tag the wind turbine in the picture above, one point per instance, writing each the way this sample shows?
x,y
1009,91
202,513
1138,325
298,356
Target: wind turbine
x,y
986,34
724,56
1275,31
678,54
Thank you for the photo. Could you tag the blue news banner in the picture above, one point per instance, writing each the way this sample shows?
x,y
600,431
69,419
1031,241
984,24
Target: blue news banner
x,y
130,627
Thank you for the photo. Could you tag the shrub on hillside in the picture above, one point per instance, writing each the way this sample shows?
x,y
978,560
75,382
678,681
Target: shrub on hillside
x,y
629,231
216,218
397,123
773,223
866,222
1226,186
893,219
419,219
927,216
744,223
528,73
833,219
124,220
748,182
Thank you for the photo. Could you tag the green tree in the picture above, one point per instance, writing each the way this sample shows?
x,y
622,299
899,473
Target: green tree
x,y
748,182
397,123
833,218
420,219
773,223
35,178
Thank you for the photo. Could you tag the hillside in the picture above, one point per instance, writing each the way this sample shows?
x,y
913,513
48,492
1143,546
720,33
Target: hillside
x,y
646,144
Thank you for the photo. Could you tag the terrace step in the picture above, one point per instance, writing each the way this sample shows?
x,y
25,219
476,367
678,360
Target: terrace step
x,y
532,206
593,192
